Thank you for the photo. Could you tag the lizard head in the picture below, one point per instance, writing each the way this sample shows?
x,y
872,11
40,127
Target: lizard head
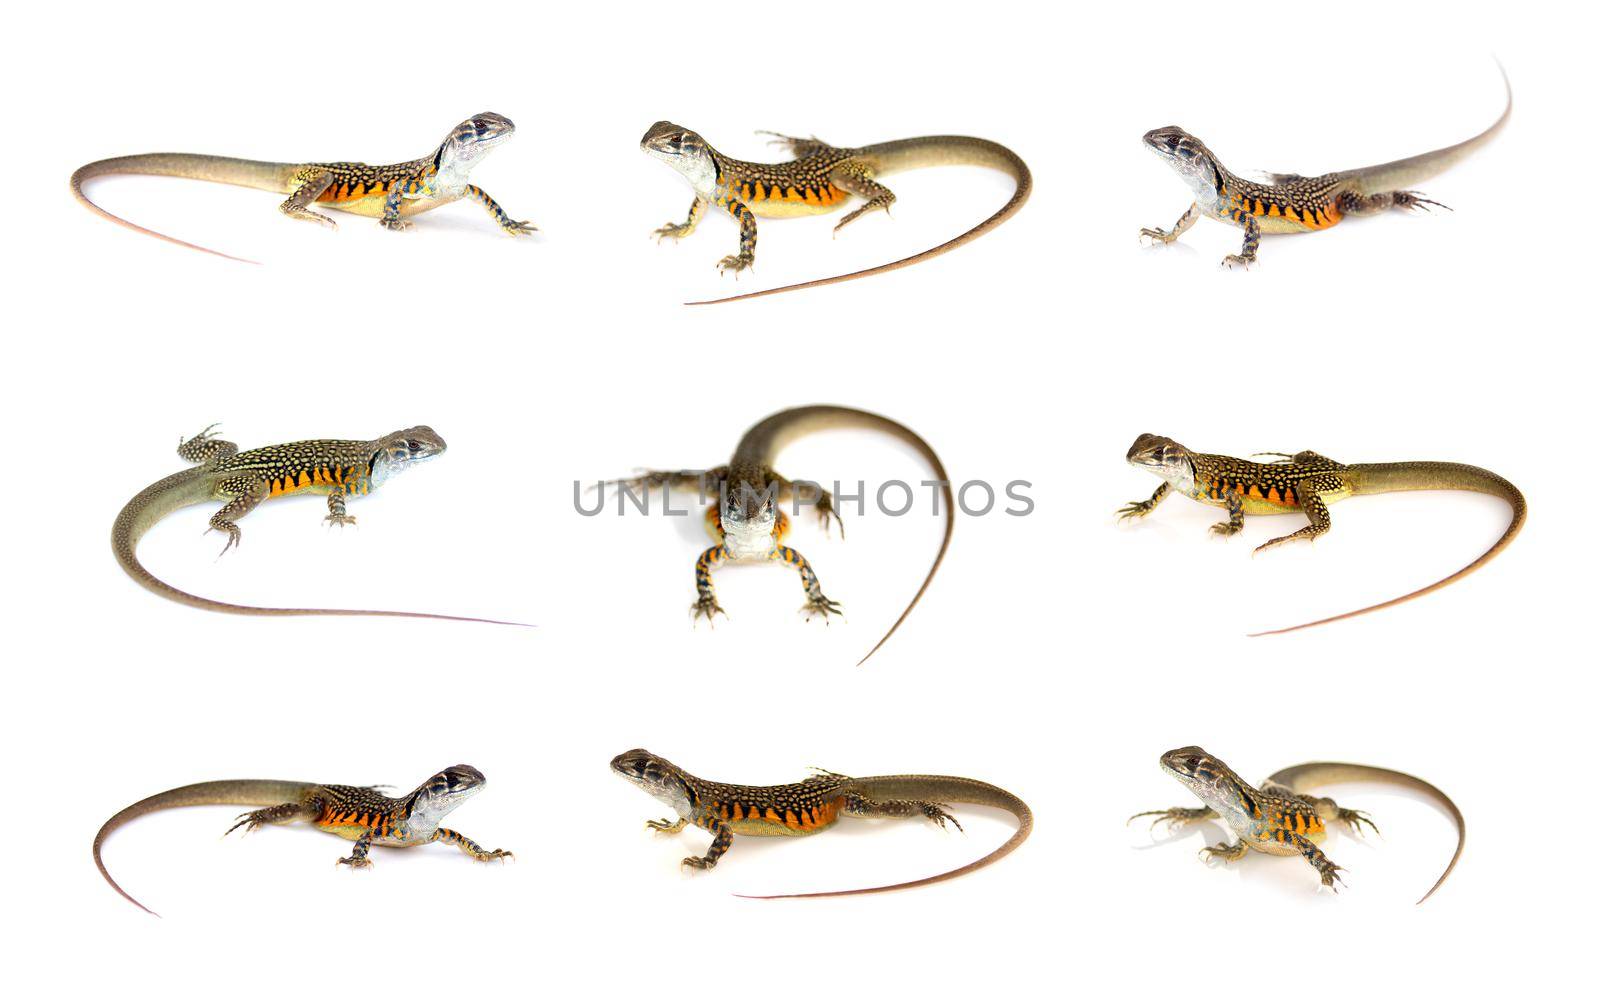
x,y
1198,771
1162,456
1190,158
686,151
749,518
661,779
399,450
442,793
468,143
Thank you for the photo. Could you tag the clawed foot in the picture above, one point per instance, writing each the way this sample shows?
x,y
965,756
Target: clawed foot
x,y
492,854
1330,874
1162,236
339,520
1353,820
1135,508
1233,260
666,826
1283,540
1226,528
355,862
821,606
518,228
707,607
396,223
1222,851
249,821
852,217
941,814
1174,818
698,862
673,231
233,537
735,264
1411,200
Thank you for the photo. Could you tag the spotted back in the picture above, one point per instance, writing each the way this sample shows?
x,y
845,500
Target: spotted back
x,y
784,809
1269,484
318,465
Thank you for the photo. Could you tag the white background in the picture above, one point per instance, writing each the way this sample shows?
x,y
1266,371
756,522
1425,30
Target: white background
x,y
1057,654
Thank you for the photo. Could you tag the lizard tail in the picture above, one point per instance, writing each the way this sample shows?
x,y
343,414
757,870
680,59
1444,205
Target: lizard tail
x,y
923,152
1412,171
1391,477
1307,775
260,793
267,175
194,486
925,787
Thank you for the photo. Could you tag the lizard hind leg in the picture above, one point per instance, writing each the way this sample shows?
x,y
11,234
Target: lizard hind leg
x,y
862,807
855,179
244,494
798,146
206,447
1355,204
1316,510
275,815
309,186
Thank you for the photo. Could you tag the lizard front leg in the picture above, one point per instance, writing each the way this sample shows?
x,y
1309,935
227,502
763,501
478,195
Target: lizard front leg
x,y
401,190
308,185
275,815
1235,522
1225,851
705,603
855,179
1176,818
469,847
1158,235
336,510
1309,493
746,257
1138,508
1252,239
245,494
823,504
512,226
722,838
855,804
358,856
1356,204
816,603
204,448
665,827
677,231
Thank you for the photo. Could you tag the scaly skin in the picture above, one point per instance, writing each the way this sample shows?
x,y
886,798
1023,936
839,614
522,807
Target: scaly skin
x,y
1290,203
390,193
1308,482
335,469
1277,818
811,806
364,815
746,523
821,178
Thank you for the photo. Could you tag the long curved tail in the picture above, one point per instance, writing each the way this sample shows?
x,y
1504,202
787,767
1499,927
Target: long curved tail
x,y
269,176
1408,172
194,486
924,152
762,442
939,789
1391,477
246,792
1308,775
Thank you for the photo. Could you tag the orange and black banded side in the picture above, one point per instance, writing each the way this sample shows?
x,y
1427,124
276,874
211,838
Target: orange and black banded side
x,y
808,816
1272,490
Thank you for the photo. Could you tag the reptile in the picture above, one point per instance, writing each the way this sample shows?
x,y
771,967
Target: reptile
x,y
811,806
1307,482
333,468
389,193
820,178
364,815
1291,203
744,519
1279,820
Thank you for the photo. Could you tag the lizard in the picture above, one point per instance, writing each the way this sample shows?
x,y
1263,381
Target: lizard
x,y
746,523
364,815
819,179
1307,482
336,469
811,806
389,193
1277,818
1291,203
